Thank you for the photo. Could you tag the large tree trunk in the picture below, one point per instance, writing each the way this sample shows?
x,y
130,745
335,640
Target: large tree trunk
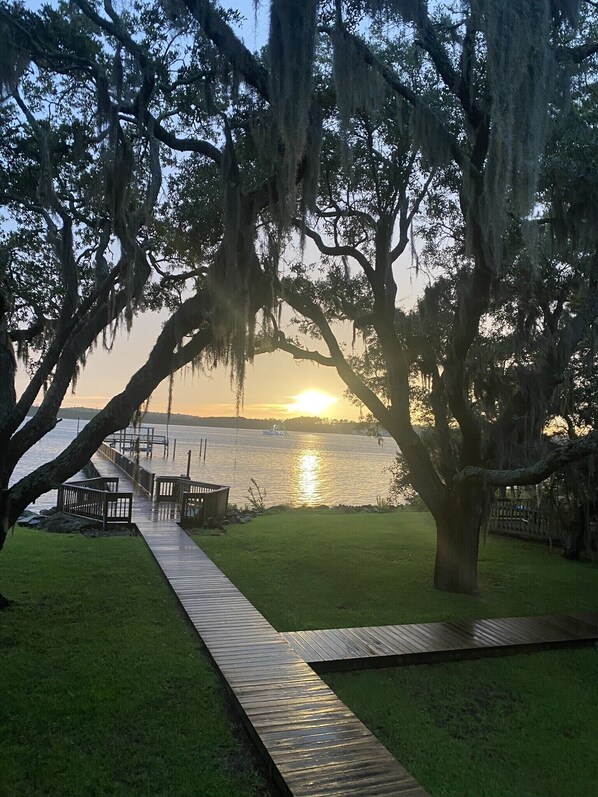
x,y
4,602
574,533
457,540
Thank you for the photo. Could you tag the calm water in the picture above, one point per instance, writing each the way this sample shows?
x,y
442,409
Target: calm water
x,y
299,469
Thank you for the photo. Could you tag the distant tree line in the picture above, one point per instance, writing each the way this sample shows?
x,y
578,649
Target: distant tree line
x,y
301,424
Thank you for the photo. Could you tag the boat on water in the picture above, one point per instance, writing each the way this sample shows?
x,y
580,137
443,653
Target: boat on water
x,y
277,430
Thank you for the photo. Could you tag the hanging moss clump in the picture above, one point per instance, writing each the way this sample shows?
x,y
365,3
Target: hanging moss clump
x,y
238,285
522,81
358,87
431,138
410,10
14,59
291,49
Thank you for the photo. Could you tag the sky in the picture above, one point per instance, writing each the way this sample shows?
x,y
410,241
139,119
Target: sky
x,y
273,381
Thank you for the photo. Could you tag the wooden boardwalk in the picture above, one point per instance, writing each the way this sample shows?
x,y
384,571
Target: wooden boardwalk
x,y
313,744
388,645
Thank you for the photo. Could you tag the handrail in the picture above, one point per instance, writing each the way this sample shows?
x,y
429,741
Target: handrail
x,y
198,500
171,488
103,483
142,477
95,504
198,508
522,518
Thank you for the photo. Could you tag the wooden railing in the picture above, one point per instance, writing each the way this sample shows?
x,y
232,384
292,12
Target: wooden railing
x,y
144,478
96,499
198,506
105,483
522,518
199,501
168,488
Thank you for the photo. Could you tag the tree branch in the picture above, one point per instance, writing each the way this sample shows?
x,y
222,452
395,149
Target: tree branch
x,y
222,35
299,353
413,99
196,145
579,53
337,251
456,83
166,357
562,455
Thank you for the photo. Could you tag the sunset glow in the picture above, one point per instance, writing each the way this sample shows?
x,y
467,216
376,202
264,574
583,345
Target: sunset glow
x,y
311,402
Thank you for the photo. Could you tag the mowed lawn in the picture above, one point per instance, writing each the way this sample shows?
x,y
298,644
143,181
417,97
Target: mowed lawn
x,y
522,726
105,688
306,569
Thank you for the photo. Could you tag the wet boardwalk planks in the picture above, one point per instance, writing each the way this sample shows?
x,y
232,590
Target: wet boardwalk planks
x,y
313,744
352,648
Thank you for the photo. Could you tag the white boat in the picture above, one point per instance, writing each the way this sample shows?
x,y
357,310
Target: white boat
x,y
277,430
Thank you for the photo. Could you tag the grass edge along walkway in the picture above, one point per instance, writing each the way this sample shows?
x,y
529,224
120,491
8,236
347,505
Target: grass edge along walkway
x,y
314,745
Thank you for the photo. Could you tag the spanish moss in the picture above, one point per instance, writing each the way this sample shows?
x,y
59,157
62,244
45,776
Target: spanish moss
x,y
14,60
358,87
522,79
409,10
430,136
291,49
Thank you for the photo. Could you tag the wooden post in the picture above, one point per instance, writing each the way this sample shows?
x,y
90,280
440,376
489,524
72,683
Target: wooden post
x,y
174,449
205,448
105,512
188,463
200,446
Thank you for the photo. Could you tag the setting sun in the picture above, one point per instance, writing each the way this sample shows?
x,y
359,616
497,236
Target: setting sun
x,y
311,402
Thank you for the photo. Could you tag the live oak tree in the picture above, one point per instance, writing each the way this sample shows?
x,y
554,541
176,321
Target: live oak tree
x,y
93,107
78,187
433,121
511,299
436,120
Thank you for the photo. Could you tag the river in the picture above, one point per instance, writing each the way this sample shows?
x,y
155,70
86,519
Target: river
x,y
299,469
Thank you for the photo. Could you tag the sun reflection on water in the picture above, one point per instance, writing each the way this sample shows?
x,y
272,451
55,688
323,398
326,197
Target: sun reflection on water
x,y
307,477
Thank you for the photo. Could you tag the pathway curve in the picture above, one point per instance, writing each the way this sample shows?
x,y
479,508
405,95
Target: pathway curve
x,y
314,745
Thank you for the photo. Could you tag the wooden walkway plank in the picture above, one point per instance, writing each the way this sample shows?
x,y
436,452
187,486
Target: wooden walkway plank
x,y
420,642
313,744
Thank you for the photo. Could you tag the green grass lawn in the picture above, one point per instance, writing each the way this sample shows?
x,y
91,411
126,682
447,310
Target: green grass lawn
x,y
523,726
105,688
307,569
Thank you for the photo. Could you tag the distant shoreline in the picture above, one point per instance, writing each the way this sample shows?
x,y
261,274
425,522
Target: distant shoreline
x,y
301,424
